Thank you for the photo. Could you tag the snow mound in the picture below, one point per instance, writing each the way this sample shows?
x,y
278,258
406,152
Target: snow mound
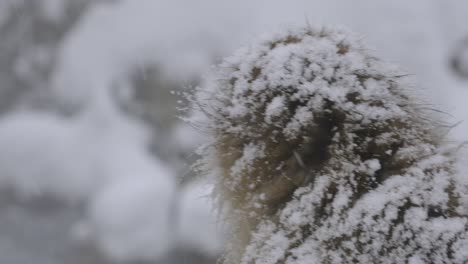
x,y
98,159
325,155
130,220
41,155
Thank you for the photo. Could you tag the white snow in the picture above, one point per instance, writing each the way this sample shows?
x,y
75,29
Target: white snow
x,y
274,109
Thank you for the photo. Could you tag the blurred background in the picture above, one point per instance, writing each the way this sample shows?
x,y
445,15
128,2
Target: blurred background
x,y
94,161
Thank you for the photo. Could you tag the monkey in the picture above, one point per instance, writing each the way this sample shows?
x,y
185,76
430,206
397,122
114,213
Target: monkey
x,y
322,153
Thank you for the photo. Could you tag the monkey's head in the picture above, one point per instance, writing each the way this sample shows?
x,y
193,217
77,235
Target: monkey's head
x,y
302,104
282,108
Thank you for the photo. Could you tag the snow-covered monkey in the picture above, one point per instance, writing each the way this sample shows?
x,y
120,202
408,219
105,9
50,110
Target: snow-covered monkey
x,y
321,154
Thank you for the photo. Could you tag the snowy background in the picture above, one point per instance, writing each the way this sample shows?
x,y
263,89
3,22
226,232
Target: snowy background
x,y
95,164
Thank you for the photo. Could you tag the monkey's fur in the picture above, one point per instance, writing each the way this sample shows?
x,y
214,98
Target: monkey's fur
x,y
322,156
